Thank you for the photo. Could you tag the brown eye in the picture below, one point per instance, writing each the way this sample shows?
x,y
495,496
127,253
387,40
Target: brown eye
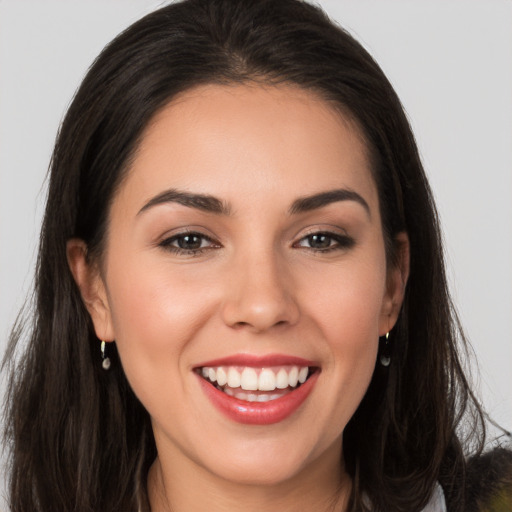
x,y
325,242
319,241
189,242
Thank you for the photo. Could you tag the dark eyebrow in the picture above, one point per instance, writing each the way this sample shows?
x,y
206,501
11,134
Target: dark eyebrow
x,y
308,203
202,202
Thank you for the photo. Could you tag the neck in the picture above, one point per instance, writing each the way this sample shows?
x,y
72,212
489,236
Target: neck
x,y
323,486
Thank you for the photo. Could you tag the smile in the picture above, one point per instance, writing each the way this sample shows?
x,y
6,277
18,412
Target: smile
x,y
257,391
265,383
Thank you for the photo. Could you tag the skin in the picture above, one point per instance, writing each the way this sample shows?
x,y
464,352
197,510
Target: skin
x,y
259,286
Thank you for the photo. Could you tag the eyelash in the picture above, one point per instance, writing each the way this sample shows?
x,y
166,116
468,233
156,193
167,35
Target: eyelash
x,y
341,242
167,243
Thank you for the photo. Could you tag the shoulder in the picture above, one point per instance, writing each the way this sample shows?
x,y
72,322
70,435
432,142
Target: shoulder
x,y
489,481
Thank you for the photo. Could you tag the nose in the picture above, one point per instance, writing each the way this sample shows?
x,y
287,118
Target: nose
x,y
260,294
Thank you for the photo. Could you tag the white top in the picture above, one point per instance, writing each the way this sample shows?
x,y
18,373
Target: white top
x,y
437,502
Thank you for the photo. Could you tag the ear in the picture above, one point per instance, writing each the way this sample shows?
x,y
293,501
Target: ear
x,y
398,273
92,288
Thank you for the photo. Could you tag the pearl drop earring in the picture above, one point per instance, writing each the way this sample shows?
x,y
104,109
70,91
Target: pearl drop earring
x,y
105,360
385,357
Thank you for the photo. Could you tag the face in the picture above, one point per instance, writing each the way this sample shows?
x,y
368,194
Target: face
x,y
245,280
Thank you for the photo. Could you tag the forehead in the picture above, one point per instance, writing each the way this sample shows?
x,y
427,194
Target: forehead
x,y
239,141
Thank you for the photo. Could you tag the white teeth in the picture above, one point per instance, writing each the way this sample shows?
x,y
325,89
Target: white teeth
x,y
233,378
222,376
253,397
267,380
282,379
249,379
253,379
293,377
303,375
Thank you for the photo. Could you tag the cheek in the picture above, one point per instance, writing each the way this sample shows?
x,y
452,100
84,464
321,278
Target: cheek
x,y
350,325
154,313
347,301
146,296
346,308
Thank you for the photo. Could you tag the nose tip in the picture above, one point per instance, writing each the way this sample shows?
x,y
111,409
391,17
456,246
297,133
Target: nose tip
x,y
259,301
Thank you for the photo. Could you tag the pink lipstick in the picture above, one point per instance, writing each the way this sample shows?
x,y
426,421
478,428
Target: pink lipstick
x,y
257,390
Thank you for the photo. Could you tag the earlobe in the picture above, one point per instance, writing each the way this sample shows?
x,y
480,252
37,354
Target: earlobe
x,y
91,286
398,275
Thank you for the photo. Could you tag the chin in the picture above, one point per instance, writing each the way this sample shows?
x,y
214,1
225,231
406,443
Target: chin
x,y
265,465
265,473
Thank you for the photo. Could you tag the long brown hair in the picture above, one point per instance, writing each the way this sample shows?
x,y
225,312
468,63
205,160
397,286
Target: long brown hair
x,y
80,440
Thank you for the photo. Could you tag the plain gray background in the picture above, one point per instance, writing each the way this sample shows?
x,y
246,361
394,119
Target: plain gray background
x,y
451,64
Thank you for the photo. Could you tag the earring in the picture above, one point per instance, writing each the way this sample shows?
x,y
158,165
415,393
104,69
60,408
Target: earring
x,y
105,360
385,357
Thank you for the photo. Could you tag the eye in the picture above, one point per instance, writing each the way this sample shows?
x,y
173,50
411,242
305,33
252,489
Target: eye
x,y
191,243
324,241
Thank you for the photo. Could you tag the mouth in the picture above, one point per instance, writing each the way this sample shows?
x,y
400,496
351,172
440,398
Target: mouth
x,y
256,384
257,391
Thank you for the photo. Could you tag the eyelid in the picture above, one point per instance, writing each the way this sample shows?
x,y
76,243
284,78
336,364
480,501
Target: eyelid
x,y
187,230
342,239
320,228
166,241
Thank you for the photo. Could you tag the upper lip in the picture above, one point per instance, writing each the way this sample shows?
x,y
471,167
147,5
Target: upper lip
x,y
258,361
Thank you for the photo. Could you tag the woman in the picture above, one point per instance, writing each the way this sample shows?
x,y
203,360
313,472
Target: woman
x,y
241,298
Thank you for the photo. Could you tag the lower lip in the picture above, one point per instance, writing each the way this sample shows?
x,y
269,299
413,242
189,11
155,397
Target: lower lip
x,y
259,413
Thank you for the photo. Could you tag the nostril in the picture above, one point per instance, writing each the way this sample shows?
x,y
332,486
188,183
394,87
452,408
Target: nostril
x,y
240,324
245,325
